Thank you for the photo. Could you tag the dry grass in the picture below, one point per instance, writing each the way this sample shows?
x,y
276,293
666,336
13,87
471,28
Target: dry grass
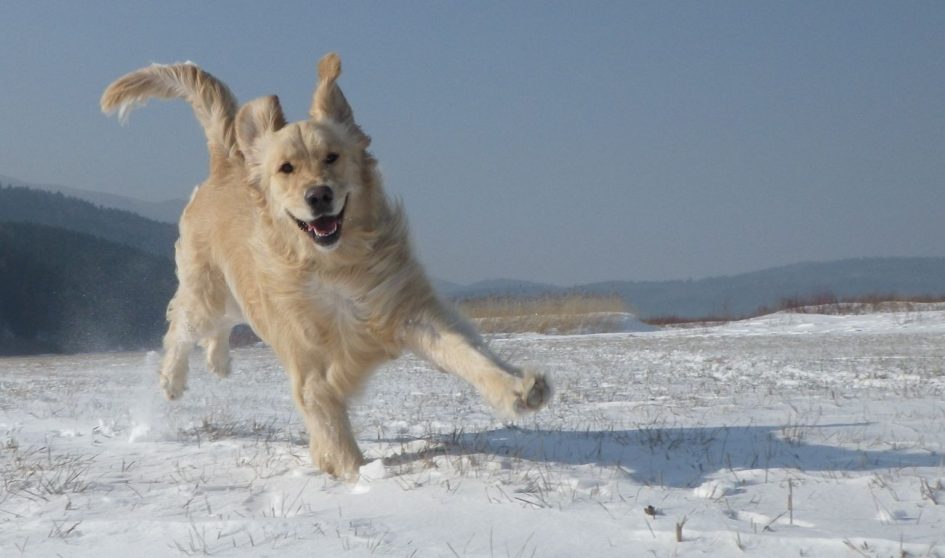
x,y
827,303
571,313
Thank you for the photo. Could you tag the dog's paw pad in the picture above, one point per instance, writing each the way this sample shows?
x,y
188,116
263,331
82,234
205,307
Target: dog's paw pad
x,y
536,391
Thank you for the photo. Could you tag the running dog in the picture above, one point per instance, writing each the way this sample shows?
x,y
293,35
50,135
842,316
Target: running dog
x,y
292,233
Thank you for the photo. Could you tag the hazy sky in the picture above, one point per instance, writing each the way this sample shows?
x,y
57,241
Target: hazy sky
x,y
563,142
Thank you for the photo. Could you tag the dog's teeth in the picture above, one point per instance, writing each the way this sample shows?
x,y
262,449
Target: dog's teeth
x,y
323,232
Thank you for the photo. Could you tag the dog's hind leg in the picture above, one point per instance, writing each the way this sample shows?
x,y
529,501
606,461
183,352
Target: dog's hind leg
x,y
196,313
192,319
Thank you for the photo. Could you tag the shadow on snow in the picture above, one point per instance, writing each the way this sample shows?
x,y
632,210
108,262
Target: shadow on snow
x,y
677,457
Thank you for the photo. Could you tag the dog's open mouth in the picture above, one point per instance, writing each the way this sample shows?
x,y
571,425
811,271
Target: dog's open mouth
x,y
325,230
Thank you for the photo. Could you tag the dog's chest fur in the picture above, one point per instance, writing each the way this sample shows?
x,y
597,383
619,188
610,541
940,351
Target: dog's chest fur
x,y
339,305
345,321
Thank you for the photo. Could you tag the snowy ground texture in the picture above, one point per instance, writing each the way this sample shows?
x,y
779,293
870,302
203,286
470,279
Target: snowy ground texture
x,y
787,435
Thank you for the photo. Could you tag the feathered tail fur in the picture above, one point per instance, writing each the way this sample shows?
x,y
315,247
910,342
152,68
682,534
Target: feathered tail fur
x,y
213,103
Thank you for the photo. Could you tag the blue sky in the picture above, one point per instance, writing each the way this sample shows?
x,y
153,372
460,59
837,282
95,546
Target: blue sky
x,y
562,142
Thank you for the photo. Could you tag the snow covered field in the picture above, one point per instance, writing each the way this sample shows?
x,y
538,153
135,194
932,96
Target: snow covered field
x,y
787,435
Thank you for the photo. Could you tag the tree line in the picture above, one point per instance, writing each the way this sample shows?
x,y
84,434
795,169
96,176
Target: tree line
x,y
66,291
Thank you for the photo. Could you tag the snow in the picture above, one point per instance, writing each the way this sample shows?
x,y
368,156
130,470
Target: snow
x,y
785,435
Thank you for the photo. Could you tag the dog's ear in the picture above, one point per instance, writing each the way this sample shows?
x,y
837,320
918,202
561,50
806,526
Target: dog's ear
x,y
256,119
329,102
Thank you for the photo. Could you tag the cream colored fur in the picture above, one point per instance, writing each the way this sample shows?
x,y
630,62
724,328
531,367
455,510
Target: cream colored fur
x,y
331,314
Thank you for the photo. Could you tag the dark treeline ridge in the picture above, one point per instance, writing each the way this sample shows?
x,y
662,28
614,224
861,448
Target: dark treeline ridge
x,y
66,292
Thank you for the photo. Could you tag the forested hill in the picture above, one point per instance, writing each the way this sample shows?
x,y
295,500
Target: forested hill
x,y
62,291
25,205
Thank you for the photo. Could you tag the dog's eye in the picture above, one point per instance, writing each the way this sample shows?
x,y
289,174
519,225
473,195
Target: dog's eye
x,y
286,168
331,158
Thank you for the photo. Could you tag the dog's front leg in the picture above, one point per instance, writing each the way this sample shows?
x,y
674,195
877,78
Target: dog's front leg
x,y
453,345
331,442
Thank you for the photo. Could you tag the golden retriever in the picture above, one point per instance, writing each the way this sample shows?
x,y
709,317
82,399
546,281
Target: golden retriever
x,y
292,233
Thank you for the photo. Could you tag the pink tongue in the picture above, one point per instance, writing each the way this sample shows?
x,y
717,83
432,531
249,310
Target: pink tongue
x,y
325,225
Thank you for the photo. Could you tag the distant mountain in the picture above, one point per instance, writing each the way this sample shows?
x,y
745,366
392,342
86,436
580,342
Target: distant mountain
x,y
164,211
64,292
743,294
25,205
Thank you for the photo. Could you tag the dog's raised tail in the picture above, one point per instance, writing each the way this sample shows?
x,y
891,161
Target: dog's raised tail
x,y
212,101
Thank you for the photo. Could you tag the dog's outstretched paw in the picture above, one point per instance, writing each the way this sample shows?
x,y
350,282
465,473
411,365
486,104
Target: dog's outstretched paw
x,y
172,388
535,394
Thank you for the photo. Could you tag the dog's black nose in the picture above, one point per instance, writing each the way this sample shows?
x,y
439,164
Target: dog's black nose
x,y
319,198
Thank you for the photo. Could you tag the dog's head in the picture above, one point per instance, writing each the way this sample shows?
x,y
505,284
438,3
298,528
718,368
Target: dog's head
x,y
314,173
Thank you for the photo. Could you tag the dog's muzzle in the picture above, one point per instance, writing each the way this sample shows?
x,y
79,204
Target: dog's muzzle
x,y
325,230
